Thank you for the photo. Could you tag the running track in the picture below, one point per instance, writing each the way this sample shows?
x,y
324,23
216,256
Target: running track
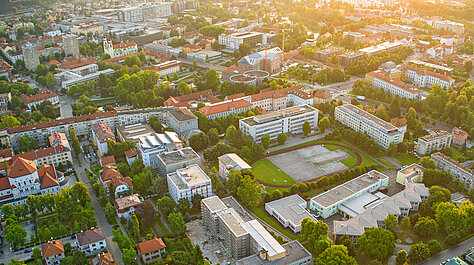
x,y
358,161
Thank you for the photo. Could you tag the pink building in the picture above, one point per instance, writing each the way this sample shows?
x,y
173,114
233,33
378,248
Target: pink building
x,y
459,136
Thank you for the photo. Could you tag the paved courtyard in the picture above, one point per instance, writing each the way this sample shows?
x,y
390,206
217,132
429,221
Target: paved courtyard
x,y
310,162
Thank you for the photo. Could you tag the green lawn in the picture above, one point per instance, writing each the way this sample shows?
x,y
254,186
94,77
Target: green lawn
x,y
104,101
406,159
258,211
266,171
386,162
349,162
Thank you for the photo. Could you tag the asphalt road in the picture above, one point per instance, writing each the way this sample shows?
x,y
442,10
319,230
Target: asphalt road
x,y
450,252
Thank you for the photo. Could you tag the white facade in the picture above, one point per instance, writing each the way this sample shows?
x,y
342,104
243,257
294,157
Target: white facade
x,y
432,142
91,241
394,86
231,161
458,170
423,78
289,120
233,41
151,145
187,182
381,131
289,211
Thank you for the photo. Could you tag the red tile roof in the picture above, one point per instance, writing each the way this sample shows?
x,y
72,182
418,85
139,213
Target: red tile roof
x,y
52,248
151,245
107,160
124,45
4,183
322,94
48,177
231,69
34,155
222,107
21,167
7,152
103,259
43,94
76,63
159,55
103,132
422,71
395,81
175,103
108,172
399,122
235,96
131,153
90,236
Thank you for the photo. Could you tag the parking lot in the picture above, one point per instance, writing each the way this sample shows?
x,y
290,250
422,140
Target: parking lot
x,y
211,248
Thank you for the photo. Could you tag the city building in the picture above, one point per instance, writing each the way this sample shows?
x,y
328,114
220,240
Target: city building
x,y
57,139
187,182
92,241
289,211
289,120
151,145
24,178
151,250
410,174
119,49
103,259
48,156
321,96
166,68
145,12
182,121
386,46
174,160
85,28
328,203
225,108
125,206
4,99
38,98
458,170
349,58
131,155
381,131
459,136
30,56
108,161
133,132
425,78
431,142
71,45
455,27
230,162
370,210
5,70
87,73
256,61
271,100
52,252
246,239
324,55
383,79
234,40
109,175
101,135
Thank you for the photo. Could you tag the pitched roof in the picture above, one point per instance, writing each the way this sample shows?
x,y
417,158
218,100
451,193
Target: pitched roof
x,y
124,45
131,153
151,245
7,152
222,107
21,167
52,248
42,95
34,155
182,114
121,204
107,160
103,259
48,177
90,236
235,96
233,69
321,94
103,132
108,173
4,183
399,122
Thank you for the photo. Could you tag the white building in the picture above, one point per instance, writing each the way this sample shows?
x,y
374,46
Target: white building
x,y
395,86
187,182
145,12
167,68
38,98
458,170
381,131
424,78
102,134
52,252
69,78
289,120
150,146
271,100
234,40
432,142
289,211
92,241
410,174
231,161
330,202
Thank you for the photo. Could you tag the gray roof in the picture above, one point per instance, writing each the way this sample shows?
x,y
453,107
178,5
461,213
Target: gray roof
x,y
90,236
291,208
178,156
232,160
295,253
182,114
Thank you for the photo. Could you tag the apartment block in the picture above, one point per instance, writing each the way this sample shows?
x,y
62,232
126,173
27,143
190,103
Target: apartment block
x,y
382,79
349,58
324,55
289,120
30,56
381,131
410,174
425,78
223,109
145,12
230,162
332,201
169,162
271,100
429,143
459,136
71,45
166,68
386,46
458,170
150,146
125,206
133,132
234,40
187,182
182,121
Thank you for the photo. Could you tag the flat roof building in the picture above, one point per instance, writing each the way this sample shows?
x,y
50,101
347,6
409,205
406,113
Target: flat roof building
x,y
327,204
187,182
231,161
289,120
436,141
150,146
458,170
171,161
410,174
289,211
133,132
381,131
296,254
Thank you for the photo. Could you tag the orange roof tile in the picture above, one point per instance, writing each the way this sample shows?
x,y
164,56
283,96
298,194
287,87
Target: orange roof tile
x,y
103,259
107,160
52,248
235,96
124,45
4,183
48,177
131,153
43,94
108,173
21,167
222,107
151,245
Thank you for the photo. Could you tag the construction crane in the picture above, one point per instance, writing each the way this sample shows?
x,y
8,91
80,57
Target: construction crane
x,y
282,44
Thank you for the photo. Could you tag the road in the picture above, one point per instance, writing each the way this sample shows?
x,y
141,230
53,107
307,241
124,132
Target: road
x,y
99,213
450,252
65,107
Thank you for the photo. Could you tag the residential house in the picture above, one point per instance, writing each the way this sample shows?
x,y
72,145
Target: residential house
x,y
101,135
151,250
111,176
91,241
125,206
103,259
52,252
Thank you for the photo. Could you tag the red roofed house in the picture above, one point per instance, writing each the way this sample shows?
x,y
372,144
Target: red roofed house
x,y
119,49
58,138
131,155
125,206
191,100
151,250
101,134
424,78
50,155
110,175
459,136
108,160
24,179
223,109
42,95
91,241
52,252
321,96
103,259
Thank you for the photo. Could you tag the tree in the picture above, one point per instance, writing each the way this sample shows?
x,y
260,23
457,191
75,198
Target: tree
x,y
401,257
184,205
378,243
195,65
281,138
212,79
26,144
434,246
322,244
418,253
158,186
395,108
346,241
128,256
184,88
15,234
426,227
335,255
427,162
196,201
391,222
412,118
265,140
109,211
306,128
176,223
229,132
249,192
50,80
324,123
165,204
199,141
9,121
135,227
405,223
80,193
244,49
156,124
213,136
